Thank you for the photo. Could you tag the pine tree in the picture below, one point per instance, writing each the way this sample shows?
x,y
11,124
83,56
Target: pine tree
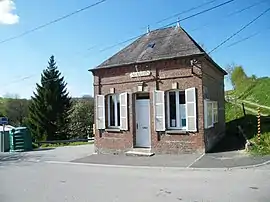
x,y
50,106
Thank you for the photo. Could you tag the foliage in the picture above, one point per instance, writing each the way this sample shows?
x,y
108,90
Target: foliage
x,y
235,118
82,118
2,107
260,92
238,76
262,147
249,88
17,111
232,112
50,106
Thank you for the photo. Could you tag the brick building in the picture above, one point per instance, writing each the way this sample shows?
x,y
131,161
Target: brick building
x,y
162,93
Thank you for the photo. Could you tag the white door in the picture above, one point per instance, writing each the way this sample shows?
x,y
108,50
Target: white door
x,y
143,137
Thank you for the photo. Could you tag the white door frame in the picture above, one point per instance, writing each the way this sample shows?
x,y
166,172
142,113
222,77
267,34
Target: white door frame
x,y
142,123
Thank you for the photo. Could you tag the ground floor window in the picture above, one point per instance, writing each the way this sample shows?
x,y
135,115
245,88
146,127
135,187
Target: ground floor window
x,y
113,110
176,109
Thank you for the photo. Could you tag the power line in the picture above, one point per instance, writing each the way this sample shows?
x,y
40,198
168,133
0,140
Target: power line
x,y
204,11
231,14
240,30
51,22
186,18
246,38
186,11
133,38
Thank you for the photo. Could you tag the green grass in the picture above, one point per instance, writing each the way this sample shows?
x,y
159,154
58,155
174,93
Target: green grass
x,y
64,144
260,93
262,147
234,116
256,91
233,112
263,110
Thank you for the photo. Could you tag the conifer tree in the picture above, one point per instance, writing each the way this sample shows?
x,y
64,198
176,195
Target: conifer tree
x,y
50,106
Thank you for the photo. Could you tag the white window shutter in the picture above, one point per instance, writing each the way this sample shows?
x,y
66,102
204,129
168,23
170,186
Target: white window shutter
x,y
191,106
159,109
100,113
123,111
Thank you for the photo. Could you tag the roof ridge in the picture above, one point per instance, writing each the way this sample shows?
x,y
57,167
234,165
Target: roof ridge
x,y
169,43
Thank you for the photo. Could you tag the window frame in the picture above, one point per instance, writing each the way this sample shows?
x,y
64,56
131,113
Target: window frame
x,y
117,125
214,113
177,100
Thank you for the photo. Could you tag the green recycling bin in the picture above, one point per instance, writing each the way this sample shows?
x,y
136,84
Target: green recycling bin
x,y
20,139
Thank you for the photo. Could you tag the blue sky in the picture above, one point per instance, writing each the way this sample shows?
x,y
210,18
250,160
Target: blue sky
x,y
113,21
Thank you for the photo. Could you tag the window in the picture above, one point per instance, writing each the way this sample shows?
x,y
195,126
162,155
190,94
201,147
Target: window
x,y
113,110
116,111
176,110
211,113
181,110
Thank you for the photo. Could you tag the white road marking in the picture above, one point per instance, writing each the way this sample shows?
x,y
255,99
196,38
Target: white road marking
x,y
197,159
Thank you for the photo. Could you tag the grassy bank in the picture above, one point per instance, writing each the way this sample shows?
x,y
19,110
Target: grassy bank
x,y
235,117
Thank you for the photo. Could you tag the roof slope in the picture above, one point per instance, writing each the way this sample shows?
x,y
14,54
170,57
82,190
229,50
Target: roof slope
x,y
159,44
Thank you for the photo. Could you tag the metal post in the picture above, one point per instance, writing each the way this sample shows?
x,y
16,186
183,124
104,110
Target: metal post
x,y
3,139
259,125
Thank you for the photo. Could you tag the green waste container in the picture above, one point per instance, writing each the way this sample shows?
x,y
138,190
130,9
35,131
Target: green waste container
x,y
4,141
20,139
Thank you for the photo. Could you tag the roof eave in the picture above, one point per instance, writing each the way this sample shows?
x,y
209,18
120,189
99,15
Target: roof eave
x,y
215,64
140,62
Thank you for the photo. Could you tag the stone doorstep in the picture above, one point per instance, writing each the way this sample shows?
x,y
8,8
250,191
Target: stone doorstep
x,y
140,152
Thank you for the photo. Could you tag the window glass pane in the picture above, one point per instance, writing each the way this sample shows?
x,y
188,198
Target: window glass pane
x,y
112,111
209,114
172,109
184,122
118,111
183,115
182,99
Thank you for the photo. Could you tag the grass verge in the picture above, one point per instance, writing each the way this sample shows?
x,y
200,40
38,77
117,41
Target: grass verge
x,y
235,117
35,146
262,147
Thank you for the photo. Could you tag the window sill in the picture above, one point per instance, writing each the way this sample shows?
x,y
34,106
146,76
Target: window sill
x,y
112,130
176,132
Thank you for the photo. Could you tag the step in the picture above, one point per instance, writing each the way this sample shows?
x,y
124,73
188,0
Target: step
x,y
140,152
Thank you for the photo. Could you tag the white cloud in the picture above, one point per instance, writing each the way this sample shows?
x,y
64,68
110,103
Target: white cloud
x,y
6,12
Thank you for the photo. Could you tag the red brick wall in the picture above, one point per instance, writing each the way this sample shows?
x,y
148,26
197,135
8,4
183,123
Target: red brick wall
x,y
213,80
164,73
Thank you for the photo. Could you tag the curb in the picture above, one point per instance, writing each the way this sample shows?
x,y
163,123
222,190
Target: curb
x,y
160,167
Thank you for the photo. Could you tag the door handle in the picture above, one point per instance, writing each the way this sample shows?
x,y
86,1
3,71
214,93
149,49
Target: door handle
x,y
144,127
137,125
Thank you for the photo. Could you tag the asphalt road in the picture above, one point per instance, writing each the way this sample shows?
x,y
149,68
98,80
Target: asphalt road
x,y
45,182
38,179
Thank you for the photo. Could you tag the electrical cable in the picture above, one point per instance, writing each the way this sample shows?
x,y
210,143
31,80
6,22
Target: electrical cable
x,y
51,22
240,30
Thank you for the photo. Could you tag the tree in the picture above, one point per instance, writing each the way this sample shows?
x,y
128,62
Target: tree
x,y
50,106
238,76
17,111
82,118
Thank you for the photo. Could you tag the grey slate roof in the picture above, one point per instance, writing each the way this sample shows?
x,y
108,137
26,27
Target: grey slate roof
x,y
159,44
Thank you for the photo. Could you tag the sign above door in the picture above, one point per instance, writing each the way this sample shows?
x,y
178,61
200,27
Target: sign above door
x,y
140,74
